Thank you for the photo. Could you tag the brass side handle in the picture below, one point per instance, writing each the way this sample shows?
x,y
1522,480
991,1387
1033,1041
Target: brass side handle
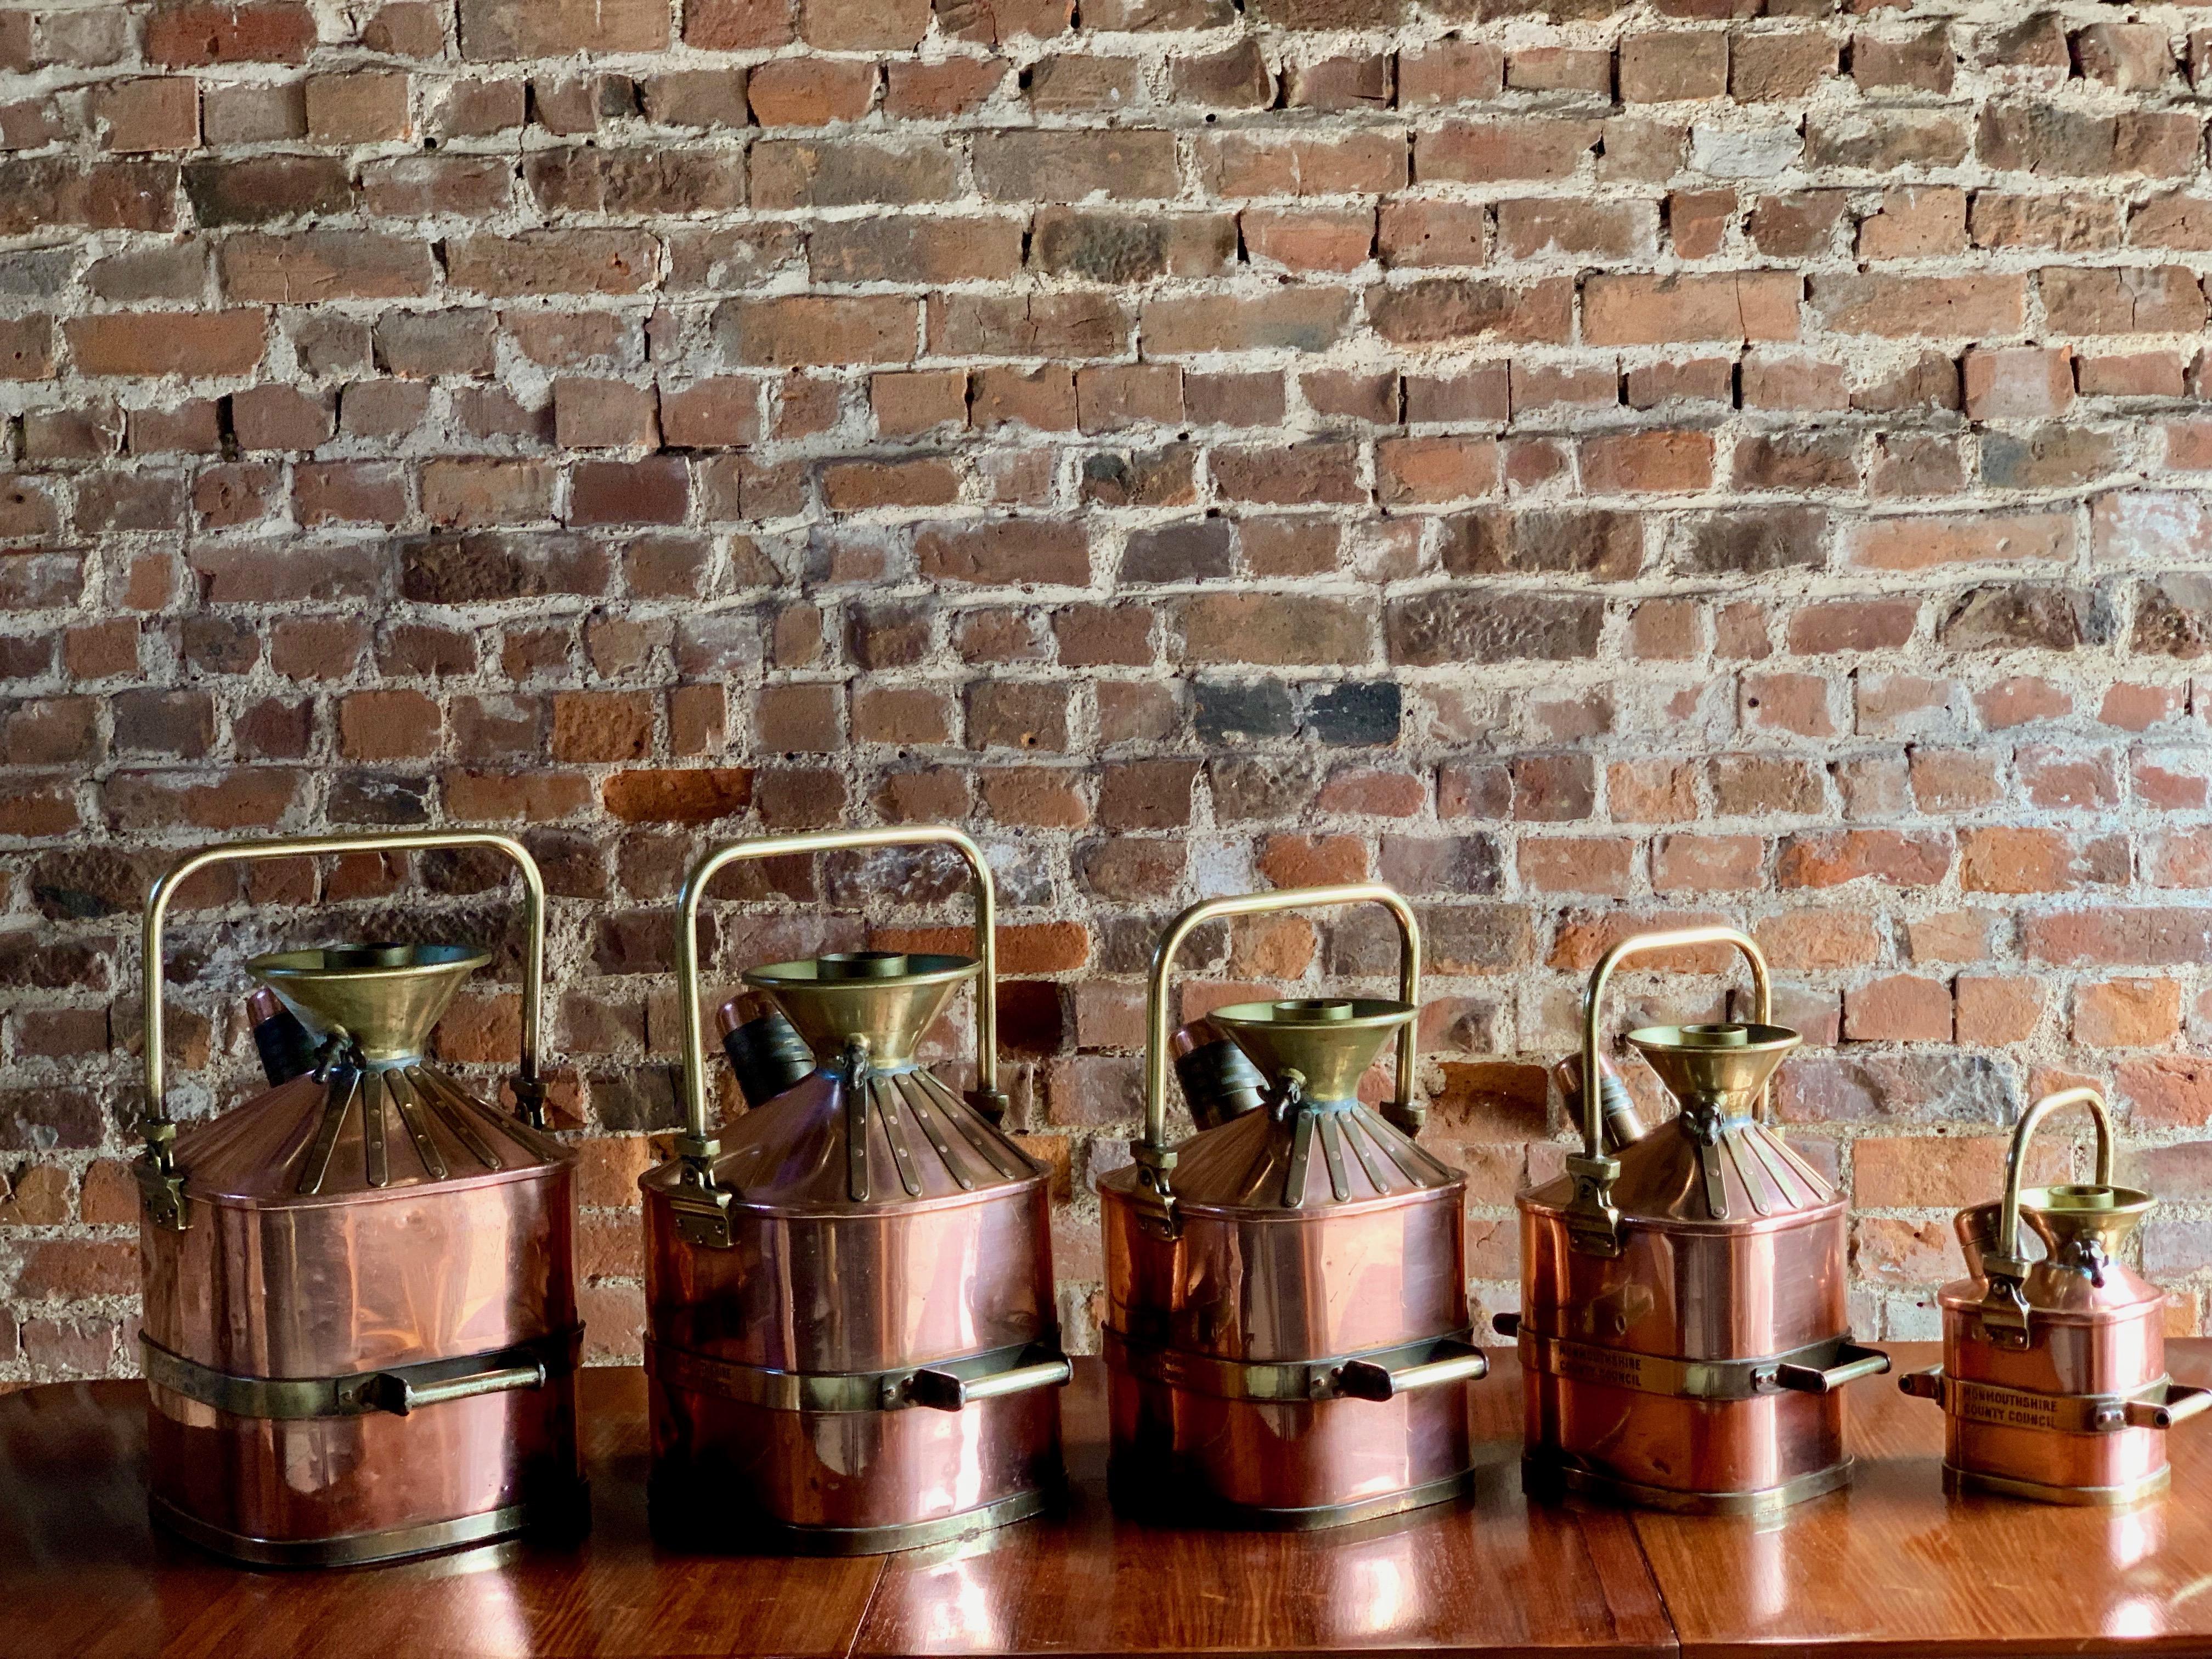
x,y
1593,1219
2181,1403
159,1178
399,1396
1155,1158
1362,1379
702,1211
945,1392
1851,1362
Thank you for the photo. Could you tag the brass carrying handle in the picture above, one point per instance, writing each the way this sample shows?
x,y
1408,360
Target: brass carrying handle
x,y
2006,1261
1852,1362
399,1396
2181,1403
1594,1001
1362,1379
1252,904
943,1391
698,1142
528,1088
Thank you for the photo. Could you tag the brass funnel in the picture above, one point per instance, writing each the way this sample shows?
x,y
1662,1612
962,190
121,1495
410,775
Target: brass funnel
x,y
1330,1041
1714,1068
2073,1216
891,997
385,997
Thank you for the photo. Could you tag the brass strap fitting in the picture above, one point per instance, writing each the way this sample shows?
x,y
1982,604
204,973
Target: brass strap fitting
x,y
399,1390
2158,1404
1374,1374
1817,1368
941,1385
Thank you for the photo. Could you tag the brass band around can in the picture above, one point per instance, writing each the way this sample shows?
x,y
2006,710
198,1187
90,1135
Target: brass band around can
x,y
360,1316
853,1344
1287,1331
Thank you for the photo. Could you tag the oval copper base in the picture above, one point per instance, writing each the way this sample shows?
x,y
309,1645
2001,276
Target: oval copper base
x,y
682,1523
569,1517
1542,1478
2004,1485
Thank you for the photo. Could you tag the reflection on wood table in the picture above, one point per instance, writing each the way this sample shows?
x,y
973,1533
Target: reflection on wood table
x,y
1892,1567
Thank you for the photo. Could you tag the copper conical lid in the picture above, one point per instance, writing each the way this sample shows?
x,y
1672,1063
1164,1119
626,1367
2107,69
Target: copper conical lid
x,y
1323,1147
898,1137
344,1134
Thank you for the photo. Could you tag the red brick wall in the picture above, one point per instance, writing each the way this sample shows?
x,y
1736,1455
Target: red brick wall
x,y
1585,465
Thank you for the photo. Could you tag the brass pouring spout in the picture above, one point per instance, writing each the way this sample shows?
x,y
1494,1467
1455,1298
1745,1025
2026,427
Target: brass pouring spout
x,y
386,998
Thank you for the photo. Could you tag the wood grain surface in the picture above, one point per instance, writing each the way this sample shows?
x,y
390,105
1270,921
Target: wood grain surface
x,y
1487,1575
1890,1568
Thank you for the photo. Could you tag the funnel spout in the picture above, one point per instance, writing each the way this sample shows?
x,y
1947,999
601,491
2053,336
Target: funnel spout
x,y
386,998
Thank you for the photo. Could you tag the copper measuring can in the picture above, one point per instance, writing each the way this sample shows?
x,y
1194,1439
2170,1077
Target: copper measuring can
x,y
1286,1330
2053,1382
360,1329
1682,1330
852,1346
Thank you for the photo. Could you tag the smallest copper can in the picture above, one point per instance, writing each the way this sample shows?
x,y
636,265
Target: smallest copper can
x,y
2053,1383
1286,1334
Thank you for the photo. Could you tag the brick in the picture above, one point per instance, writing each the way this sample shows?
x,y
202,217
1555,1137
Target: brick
x,y
1665,310
190,36
159,113
493,31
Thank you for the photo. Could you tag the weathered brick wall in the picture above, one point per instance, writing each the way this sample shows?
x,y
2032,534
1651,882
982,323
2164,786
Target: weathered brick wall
x,y
1587,464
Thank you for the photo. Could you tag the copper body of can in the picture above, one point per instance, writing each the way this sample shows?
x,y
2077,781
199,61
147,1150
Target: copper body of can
x,y
1682,1294
2053,1384
852,1343
309,1290
1284,1289
360,1329
1683,1324
1286,1326
848,1293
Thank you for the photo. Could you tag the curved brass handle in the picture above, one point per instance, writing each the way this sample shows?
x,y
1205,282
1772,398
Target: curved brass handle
x,y
165,1192
1592,1221
702,1211
2008,1251
1155,1158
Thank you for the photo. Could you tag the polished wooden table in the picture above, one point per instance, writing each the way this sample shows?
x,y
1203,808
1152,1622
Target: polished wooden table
x,y
1891,1568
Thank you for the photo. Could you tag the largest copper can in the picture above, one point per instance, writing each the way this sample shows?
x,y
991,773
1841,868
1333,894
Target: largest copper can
x,y
853,1345
2053,1384
360,1326
1683,1329
1287,1325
